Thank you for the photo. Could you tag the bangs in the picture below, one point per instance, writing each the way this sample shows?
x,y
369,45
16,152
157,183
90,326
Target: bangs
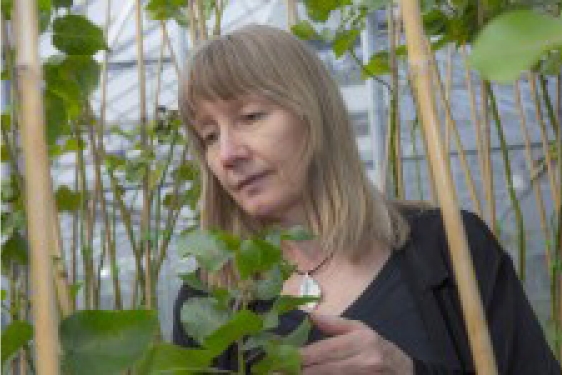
x,y
228,69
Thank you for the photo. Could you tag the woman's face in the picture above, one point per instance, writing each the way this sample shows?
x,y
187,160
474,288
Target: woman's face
x,y
254,147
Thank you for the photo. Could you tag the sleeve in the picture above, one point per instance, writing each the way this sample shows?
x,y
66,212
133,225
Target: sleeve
x,y
519,343
179,336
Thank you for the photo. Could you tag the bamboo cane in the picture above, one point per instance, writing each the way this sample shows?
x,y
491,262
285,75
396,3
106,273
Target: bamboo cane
x,y
447,93
74,241
479,338
474,115
201,20
60,274
452,128
555,124
544,139
292,14
521,237
192,22
394,118
145,218
484,137
531,167
170,48
559,98
430,173
218,17
84,226
488,175
39,190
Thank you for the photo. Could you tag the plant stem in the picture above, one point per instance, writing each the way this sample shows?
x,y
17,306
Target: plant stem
x,y
509,183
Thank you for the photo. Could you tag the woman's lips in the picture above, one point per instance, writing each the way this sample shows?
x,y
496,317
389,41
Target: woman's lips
x,y
250,180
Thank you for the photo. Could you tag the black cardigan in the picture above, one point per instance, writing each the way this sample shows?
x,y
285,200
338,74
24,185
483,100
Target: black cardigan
x,y
519,343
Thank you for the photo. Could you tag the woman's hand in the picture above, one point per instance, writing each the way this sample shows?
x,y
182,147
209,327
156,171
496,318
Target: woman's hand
x,y
353,349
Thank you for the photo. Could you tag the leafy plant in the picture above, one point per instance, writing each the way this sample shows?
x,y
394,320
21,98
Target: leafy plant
x,y
525,37
105,342
223,317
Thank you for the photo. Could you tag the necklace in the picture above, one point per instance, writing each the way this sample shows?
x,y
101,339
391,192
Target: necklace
x,y
310,287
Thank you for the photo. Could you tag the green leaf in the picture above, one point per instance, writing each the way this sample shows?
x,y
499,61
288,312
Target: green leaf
x,y
344,41
4,295
56,117
113,162
12,221
58,82
260,340
378,64
44,13
84,70
270,285
7,6
552,65
270,319
210,252
514,42
105,342
256,255
287,303
14,250
299,336
304,30
62,4
319,10
280,358
77,35
193,281
296,233
243,323
171,359
6,120
172,202
435,22
4,154
14,337
163,10
372,5
201,316
9,190
75,289
73,145
68,200
187,171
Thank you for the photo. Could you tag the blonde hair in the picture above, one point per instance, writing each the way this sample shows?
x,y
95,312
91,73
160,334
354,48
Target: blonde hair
x,y
344,210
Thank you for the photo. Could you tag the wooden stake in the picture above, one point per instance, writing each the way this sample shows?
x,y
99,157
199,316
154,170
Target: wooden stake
x,y
38,189
544,139
451,127
292,14
531,165
145,218
475,319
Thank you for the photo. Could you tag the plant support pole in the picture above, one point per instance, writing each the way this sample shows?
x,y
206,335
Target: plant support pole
x,y
38,189
420,62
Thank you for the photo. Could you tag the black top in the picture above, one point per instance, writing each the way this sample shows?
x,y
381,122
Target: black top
x,y
426,292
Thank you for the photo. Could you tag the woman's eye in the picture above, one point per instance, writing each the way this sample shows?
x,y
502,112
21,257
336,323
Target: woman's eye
x,y
210,138
253,116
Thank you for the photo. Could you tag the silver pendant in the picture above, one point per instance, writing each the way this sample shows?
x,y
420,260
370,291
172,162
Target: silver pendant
x,y
310,288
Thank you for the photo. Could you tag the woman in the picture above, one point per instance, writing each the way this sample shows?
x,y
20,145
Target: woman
x,y
275,144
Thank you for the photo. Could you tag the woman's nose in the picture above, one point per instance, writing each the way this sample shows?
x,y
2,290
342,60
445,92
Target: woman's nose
x,y
232,148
